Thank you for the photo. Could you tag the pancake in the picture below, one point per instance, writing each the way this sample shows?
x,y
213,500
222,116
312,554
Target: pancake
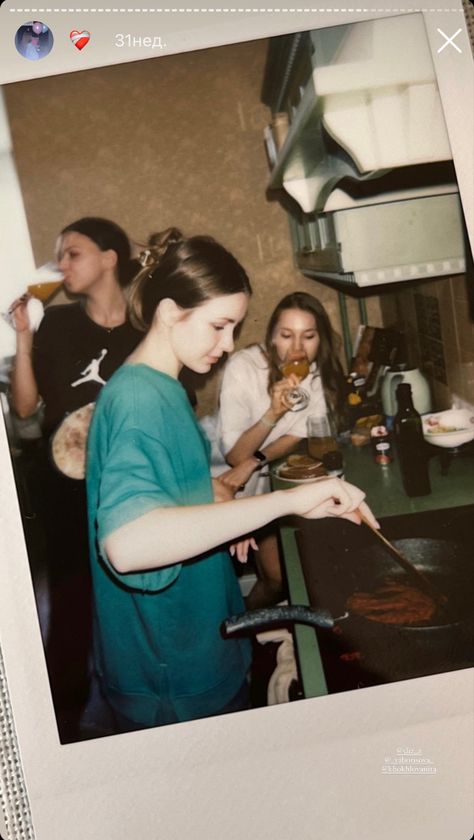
x,y
301,467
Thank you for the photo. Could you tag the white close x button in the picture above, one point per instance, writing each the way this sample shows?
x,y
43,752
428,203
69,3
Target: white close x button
x,y
449,40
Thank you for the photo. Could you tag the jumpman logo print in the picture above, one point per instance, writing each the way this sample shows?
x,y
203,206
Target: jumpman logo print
x,y
91,372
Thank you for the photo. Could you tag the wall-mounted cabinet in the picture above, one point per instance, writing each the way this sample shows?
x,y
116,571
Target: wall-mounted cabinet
x,y
366,157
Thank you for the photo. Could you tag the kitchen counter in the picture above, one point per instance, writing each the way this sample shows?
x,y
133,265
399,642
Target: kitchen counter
x,y
383,485
452,494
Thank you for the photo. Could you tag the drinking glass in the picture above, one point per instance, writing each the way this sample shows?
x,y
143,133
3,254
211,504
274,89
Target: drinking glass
x,y
322,435
43,291
296,362
48,281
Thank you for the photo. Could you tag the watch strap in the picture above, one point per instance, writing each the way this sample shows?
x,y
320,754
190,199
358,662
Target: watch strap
x,y
261,458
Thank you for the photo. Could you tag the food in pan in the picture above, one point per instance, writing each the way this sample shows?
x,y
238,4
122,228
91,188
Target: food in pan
x,y
393,602
301,467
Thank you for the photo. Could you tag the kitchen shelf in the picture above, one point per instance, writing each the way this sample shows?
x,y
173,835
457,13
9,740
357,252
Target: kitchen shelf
x,y
366,157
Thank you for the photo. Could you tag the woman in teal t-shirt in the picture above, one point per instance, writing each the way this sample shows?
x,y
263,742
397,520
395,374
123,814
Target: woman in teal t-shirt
x,y
162,576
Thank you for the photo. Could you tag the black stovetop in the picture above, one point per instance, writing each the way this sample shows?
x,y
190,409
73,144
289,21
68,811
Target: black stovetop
x,y
333,554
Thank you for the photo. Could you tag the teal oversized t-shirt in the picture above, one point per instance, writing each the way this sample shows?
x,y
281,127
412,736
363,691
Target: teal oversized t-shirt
x,y
157,645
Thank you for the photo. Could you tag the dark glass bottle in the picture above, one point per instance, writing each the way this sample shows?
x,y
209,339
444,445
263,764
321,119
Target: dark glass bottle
x,y
411,447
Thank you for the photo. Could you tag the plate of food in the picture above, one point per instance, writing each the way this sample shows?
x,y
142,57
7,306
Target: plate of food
x,y
68,444
450,428
299,469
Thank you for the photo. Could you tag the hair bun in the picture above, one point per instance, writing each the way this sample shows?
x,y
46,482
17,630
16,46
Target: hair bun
x,y
158,244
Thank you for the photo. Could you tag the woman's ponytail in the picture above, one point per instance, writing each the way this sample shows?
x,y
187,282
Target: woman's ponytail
x,y
148,261
189,271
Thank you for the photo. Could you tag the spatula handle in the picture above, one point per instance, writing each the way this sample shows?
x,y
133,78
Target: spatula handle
x,y
421,580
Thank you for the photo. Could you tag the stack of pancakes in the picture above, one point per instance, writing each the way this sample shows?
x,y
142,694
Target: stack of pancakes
x,y
301,467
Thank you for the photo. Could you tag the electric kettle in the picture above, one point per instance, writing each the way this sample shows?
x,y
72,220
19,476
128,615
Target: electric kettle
x,y
420,389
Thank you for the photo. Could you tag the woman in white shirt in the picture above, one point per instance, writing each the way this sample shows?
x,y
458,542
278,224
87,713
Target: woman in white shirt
x,y
256,424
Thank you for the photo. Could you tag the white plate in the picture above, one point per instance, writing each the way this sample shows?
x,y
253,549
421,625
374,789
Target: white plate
x,y
461,418
276,473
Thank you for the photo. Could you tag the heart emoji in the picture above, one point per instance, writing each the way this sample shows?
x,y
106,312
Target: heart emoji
x,y
80,39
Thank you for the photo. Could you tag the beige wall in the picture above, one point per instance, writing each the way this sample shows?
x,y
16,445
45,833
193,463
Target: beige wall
x,y
168,141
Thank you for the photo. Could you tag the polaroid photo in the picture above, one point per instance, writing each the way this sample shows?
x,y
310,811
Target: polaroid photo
x,y
330,151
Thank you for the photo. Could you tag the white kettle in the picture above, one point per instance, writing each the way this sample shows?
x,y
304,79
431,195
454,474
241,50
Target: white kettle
x,y
420,389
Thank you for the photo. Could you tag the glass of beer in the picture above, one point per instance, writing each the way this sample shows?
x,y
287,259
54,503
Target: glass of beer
x,y
48,281
322,436
297,363
43,291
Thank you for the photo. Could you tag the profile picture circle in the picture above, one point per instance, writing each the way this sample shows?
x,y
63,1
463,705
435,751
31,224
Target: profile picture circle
x,y
34,40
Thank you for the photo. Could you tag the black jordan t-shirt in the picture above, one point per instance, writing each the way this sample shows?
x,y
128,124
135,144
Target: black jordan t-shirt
x,y
73,357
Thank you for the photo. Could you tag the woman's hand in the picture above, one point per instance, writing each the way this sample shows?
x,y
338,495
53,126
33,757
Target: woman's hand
x,y
240,549
332,497
19,314
279,405
222,492
237,477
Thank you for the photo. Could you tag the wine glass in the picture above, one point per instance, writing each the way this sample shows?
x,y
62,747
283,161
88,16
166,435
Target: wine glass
x,y
296,362
46,282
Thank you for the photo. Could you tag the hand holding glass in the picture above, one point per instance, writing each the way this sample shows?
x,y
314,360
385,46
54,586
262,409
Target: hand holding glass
x,y
296,363
42,290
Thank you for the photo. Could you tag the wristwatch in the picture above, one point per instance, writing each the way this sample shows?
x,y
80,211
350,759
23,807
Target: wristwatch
x,y
261,458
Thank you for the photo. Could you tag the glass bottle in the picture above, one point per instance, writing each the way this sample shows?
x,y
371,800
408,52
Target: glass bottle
x,y
411,447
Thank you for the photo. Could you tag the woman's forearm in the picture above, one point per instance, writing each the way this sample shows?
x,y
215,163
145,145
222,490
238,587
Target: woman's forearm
x,y
280,447
23,387
166,536
238,476
251,439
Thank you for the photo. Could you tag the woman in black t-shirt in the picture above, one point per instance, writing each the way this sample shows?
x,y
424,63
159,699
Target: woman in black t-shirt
x,y
78,346
64,365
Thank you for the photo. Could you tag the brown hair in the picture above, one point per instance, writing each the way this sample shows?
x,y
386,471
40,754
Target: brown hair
x,y
190,271
108,236
330,368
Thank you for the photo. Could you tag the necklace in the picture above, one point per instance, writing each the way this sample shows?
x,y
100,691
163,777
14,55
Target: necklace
x,y
103,326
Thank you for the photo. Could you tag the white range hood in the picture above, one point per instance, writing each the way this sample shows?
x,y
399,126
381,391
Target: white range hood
x,y
372,107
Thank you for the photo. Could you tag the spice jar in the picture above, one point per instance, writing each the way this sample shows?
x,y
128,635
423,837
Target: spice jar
x,y
381,445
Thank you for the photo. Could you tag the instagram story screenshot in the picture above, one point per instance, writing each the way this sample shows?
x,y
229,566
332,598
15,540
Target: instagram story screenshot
x,y
237,432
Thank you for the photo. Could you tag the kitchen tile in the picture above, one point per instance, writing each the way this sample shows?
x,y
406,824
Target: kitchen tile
x,y
446,304
463,319
432,357
442,396
467,355
462,380
430,289
451,355
461,304
459,287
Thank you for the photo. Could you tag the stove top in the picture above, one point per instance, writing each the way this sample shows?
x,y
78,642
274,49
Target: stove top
x,y
338,558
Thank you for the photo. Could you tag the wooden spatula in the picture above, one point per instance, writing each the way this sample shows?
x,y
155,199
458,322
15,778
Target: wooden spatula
x,y
417,576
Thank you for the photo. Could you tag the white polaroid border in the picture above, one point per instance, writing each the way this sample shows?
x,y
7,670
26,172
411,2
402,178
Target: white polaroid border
x,y
312,769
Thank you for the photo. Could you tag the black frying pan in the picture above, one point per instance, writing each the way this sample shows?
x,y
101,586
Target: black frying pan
x,y
448,637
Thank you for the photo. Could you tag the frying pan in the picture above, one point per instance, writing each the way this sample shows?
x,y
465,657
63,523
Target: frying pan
x,y
393,651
